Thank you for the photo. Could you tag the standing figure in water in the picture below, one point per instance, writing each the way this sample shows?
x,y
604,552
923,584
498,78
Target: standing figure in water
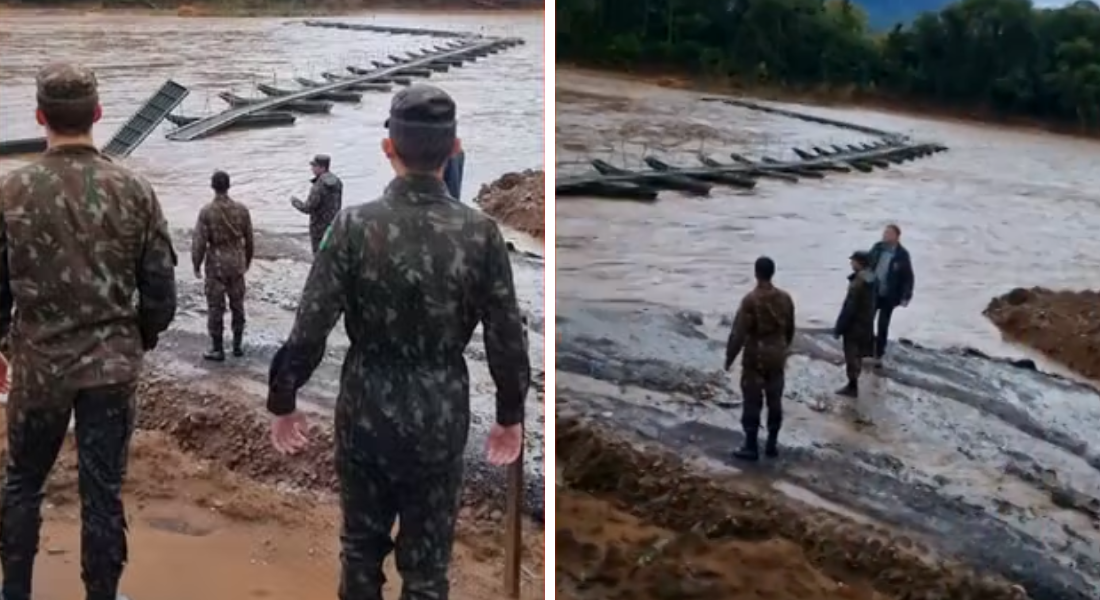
x,y
223,240
764,329
894,280
855,324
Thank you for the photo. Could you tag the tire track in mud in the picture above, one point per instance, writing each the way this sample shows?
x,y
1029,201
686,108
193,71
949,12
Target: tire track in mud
x,y
984,460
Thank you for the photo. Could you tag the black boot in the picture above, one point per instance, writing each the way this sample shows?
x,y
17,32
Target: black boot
x,y
771,447
217,349
851,390
751,449
238,342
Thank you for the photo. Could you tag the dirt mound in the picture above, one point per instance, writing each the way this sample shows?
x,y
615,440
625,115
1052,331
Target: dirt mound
x,y
658,488
622,557
1063,325
518,200
212,425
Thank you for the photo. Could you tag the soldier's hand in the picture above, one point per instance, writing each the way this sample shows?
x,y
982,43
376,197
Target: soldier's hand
x,y
504,444
288,433
198,274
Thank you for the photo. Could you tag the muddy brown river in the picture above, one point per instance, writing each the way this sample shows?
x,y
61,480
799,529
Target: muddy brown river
x,y
980,458
1001,209
500,104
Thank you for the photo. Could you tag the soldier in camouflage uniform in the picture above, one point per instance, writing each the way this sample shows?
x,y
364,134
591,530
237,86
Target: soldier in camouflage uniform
x,y
764,328
324,201
223,239
413,274
80,238
856,322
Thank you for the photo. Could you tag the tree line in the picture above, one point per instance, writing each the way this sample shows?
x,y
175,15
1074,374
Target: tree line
x,y
1005,56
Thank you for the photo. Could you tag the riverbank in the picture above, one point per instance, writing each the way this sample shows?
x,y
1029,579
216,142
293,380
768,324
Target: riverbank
x,y
1062,325
982,463
272,8
517,200
833,98
638,520
213,511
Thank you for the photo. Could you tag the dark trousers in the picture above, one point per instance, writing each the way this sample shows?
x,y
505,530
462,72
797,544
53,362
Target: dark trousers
x,y
855,348
756,388
218,289
104,425
882,328
373,494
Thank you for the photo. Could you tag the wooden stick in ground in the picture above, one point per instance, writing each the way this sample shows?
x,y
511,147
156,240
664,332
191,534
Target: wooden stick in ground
x,y
513,543
513,520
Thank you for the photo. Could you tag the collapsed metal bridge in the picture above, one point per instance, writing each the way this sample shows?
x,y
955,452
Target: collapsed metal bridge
x,y
610,181
465,50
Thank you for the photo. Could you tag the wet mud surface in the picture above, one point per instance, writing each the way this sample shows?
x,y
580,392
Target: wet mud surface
x,y
983,460
703,512
605,552
228,535
517,200
1062,325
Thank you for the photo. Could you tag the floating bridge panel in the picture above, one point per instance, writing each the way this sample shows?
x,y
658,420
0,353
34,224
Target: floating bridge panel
x,y
222,120
146,119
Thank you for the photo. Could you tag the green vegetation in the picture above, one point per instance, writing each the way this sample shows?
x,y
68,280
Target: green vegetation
x,y
1003,56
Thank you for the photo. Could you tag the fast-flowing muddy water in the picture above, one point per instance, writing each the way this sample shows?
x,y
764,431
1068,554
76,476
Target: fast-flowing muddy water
x,y
500,103
984,460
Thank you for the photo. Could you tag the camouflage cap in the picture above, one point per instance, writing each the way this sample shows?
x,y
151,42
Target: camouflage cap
x,y
66,82
422,106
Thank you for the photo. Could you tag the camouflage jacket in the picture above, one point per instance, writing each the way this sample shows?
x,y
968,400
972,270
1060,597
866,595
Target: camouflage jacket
x,y
79,237
413,273
857,316
322,205
763,328
222,238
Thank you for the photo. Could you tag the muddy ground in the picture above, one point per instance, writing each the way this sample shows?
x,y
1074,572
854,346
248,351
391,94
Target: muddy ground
x,y
976,460
1062,325
204,517
604,551
518,200
274,286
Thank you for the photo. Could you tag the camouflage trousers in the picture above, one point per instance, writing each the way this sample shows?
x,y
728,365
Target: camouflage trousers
x,y
104,425
317,234
217,290
373,495
855,348
758,385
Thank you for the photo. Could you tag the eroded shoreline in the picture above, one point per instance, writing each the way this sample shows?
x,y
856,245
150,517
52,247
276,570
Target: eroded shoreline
x,y
983,461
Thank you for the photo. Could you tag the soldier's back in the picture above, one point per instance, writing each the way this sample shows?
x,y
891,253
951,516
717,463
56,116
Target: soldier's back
x,y
771,312
420,277
75,225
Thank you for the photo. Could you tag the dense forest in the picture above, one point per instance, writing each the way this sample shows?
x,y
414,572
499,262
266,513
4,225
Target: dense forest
x,y
1001,56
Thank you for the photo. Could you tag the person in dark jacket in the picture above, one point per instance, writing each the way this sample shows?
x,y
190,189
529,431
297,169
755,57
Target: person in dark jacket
x,y
893,271
452,174
855,324
764,329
